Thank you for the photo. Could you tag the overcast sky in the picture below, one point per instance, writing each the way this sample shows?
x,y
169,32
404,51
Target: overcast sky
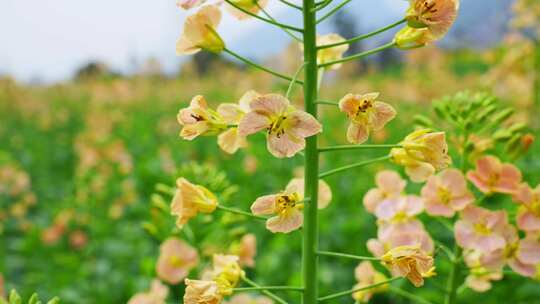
x,y
48,39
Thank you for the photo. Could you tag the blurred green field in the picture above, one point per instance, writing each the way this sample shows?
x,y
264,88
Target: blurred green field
x,y
83,227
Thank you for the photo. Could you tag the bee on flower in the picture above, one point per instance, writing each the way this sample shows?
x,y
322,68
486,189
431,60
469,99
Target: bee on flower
x,y
175,260
366,113
189,200
409,262
422,153
200,32
286,127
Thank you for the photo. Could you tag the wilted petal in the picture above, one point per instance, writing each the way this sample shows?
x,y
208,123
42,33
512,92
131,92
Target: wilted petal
x,y
285,145
357,133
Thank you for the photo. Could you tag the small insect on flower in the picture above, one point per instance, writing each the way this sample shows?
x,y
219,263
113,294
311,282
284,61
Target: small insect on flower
x,y
252,6
176,259
199,120
492,176
230,140
366,115
188,4
189,200
422,153
435,15
389,187
157,295
200,32
528,217
366,275
446,193
481,229
286,126
199,292
332,53
409,262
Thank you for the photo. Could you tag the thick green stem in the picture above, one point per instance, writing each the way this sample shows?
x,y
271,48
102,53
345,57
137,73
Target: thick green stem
x,y
310,230
453,279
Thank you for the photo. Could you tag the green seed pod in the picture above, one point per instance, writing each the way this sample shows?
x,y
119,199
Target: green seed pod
x,y
423,121
502,135
151,229
482,116
54,300
34,299
502,116
517,127
14,297
513,145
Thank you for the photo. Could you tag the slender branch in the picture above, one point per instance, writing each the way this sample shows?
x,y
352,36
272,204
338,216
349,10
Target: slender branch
x,y
446,250
321,5
260,67
348,256
265,292
408,295
325,102
290,27
298,7
357,147
351,291
295,77
236,211
362,37
445,224
359,55
333,11
288,32
284,288
352,166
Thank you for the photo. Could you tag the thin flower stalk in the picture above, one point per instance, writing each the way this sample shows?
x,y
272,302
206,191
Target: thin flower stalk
x,y
359,55
408,295
289,27
347,256
333,11
236,211
287,31
358,147
264,291
351,291
281,288
293,81
365,36
298,7
352,166
322,4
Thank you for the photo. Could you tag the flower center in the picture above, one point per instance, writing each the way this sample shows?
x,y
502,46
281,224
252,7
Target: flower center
x,y
444,195
400,217
482,229
278,126
510,250
287,202
428,7
175,261
364,106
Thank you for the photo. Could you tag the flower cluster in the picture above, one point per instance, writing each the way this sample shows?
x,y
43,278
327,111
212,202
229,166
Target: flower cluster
x,y
403,244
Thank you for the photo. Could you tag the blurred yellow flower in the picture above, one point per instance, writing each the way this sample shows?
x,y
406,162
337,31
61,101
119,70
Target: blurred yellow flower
x,y
226,272
176,259
200,32
366,115
252,6
332,53
202,292
189,200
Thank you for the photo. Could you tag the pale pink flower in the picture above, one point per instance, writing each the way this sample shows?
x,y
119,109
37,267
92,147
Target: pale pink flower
x,y
366,275
392,236
286,126
446,193
528,218
188,4
245,298
325,193
157,295
189,200
399,210
493,176
198,119
286,206
202,292
247,250
409,262
479,279
200,32
176,259
435,15
481,229
366,115
390,185
248,5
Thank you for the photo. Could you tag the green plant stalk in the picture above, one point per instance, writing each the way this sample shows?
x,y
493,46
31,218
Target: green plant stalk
x,y
310,229
333,11
347,256
359,55
351,291
536,90
282,288
408,295
282,25
244,213
352,166
264,291
357,147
